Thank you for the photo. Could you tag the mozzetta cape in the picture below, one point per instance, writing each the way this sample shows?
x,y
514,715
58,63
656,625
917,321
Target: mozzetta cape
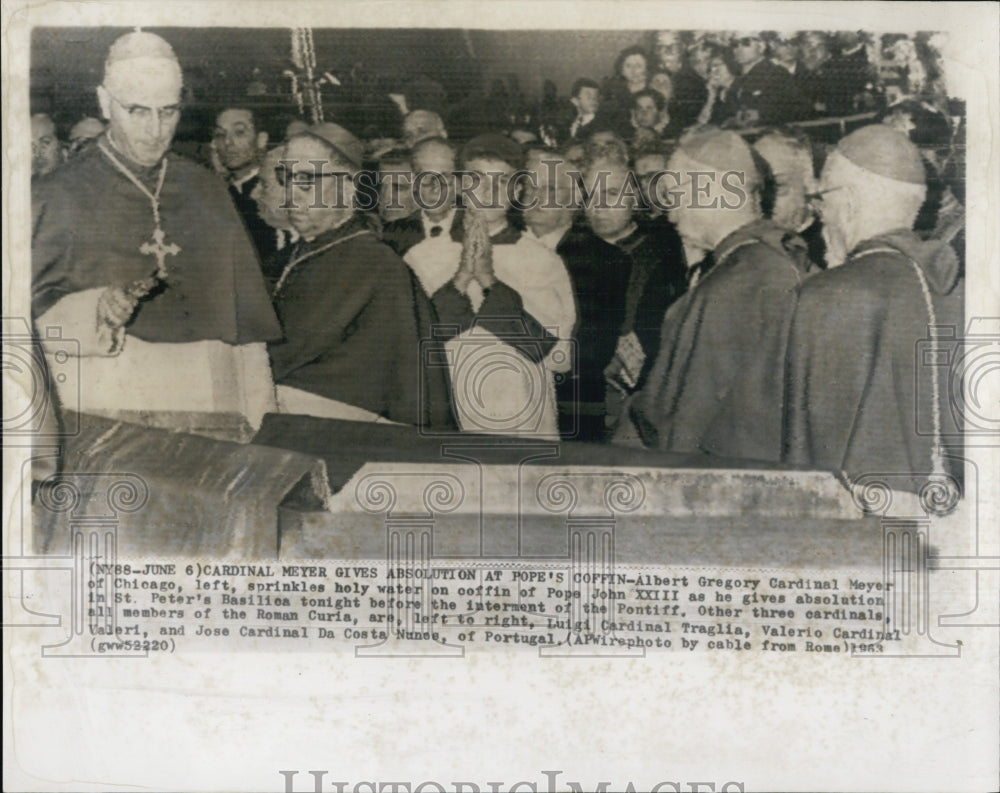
x,y
716,386
89,222
353,320
860,396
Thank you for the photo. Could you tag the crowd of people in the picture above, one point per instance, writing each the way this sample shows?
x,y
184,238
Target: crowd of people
x,y
663,261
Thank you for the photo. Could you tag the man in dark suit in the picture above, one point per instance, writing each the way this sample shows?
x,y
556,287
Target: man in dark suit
x,y
690,91
765,94
586,99
433,162
240,146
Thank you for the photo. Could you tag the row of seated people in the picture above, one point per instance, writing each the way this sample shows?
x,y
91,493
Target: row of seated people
x,y
680,309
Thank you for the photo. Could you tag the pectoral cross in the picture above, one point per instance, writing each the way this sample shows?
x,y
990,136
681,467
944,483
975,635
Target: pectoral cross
x,y
160,251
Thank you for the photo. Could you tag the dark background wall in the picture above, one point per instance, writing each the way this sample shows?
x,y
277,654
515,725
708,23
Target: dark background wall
x,y
219,64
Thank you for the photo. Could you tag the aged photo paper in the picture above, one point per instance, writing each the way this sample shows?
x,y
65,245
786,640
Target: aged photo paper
x,y
338,459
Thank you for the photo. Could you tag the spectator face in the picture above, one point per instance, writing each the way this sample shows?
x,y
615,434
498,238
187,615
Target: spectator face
x,y
747,50
143,113
644,113
634,69
587,100
492,177
608,211
553,196
606,145
663,85
785,51
321,193
236,139
645,167
815,50
45,153
269,194
699,58
668,52
792,172
436,193
395,192
719,74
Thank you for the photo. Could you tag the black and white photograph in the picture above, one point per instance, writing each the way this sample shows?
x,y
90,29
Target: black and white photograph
x,y
445,396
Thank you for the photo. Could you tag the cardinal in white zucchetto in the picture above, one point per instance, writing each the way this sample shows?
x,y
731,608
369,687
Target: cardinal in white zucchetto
x,y
139,255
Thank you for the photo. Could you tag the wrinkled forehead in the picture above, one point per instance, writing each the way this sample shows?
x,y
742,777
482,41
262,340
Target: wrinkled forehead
x,y
149,82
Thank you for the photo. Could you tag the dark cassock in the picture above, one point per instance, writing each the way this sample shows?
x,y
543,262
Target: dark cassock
x,y
717,386
599,274
193,354
353,321
860,381
264,237
657,278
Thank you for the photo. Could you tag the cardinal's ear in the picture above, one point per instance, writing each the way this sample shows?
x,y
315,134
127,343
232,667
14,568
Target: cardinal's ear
x,y
104,100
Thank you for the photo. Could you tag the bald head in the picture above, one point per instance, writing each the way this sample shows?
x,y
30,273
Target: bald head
x,y
422,124
45,153
140,96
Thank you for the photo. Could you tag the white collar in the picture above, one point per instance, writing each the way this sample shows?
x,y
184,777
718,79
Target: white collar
x,y
552,239
238,183
444,223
